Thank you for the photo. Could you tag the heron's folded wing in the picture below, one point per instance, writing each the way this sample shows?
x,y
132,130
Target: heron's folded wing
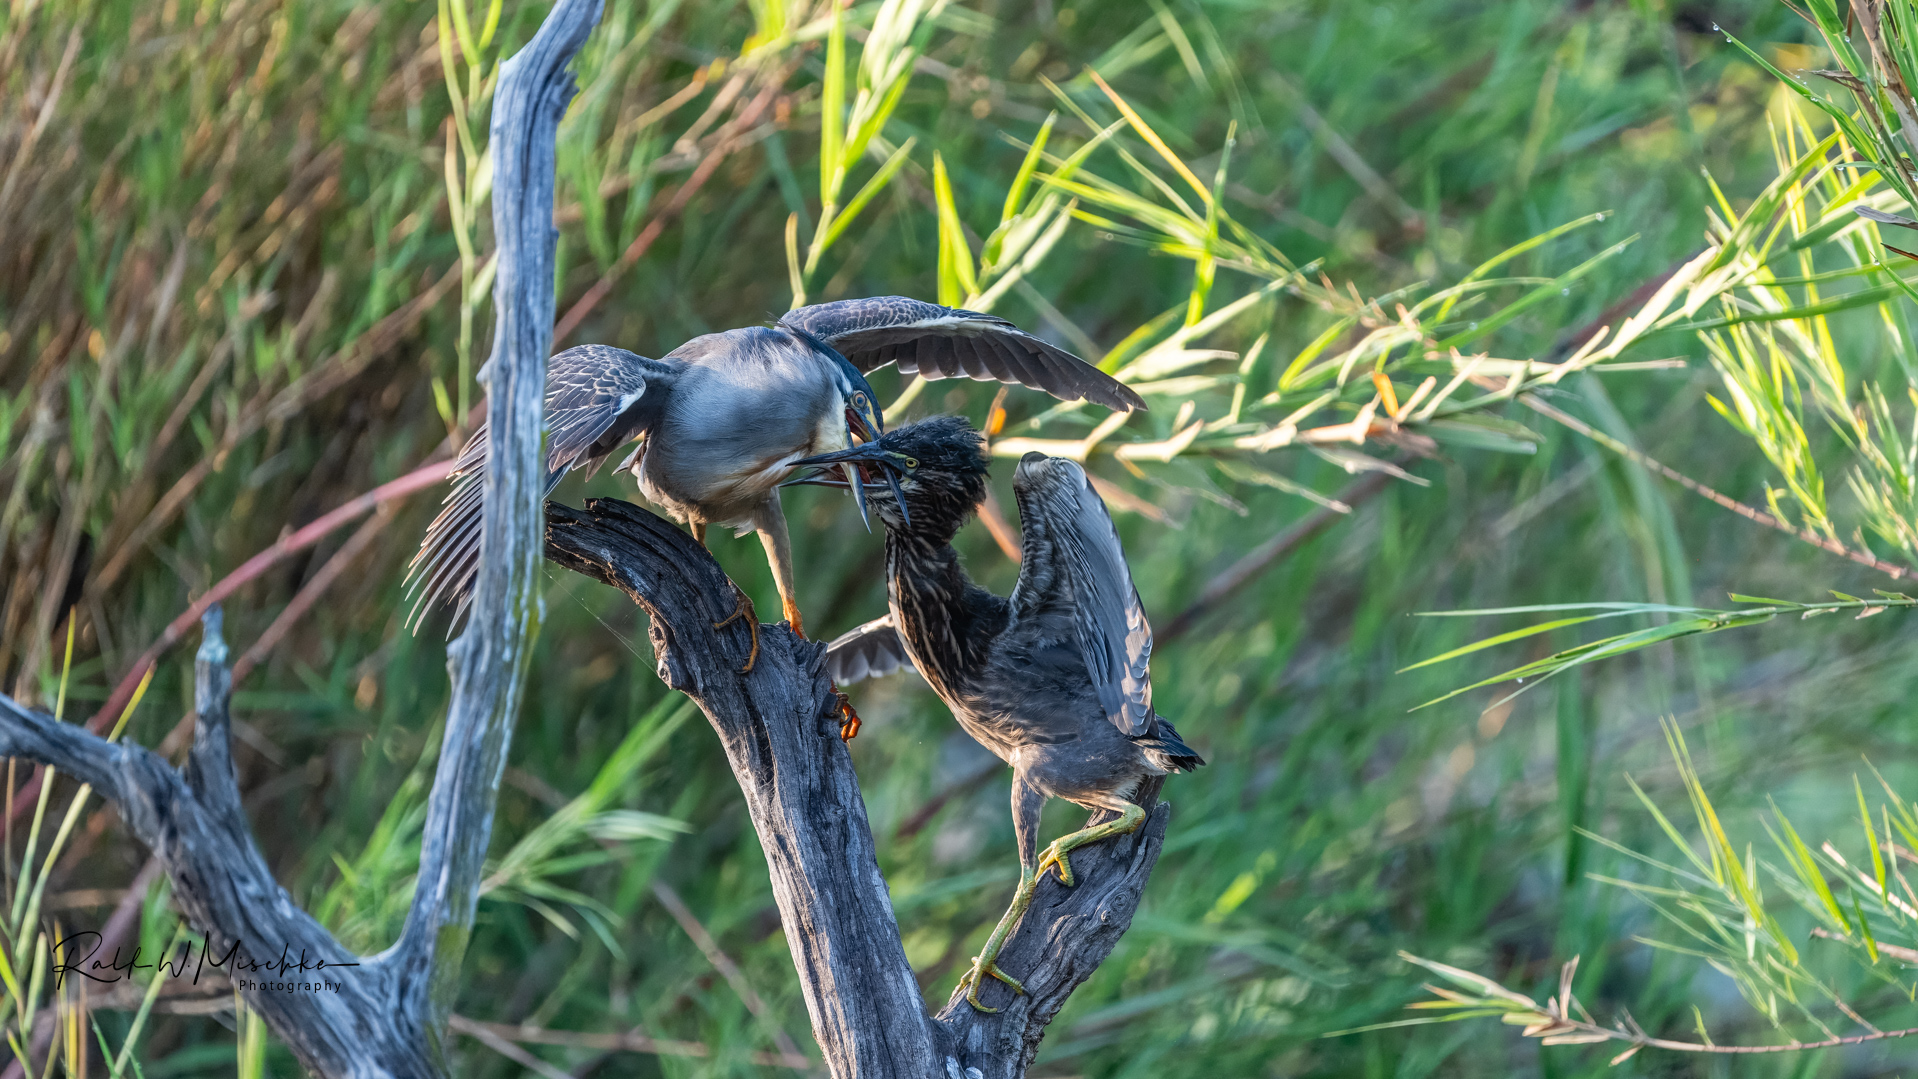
x,y
948,342
1072,562
596,399
866,652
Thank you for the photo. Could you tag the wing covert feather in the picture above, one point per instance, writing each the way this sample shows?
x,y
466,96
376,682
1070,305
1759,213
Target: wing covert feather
x,y
937,342
597,397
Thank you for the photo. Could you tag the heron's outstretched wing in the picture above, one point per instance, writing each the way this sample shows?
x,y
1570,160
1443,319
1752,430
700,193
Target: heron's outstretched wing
x,y
947,342
1072,563
866,652
597,398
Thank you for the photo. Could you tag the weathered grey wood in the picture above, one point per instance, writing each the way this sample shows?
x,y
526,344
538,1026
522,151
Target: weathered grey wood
x,y
778,726
488,661
780,732
781,737
388,1017
195,826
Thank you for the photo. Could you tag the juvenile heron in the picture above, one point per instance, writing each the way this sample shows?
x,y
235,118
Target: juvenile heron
x,y
723,418
1053,681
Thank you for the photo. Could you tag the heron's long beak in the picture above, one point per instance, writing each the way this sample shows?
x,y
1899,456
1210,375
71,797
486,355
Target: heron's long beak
x,y
863,419
857,484
850,461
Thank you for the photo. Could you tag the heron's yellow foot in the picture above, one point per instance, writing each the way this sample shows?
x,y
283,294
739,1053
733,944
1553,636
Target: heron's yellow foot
x,y
792,615
849,721
1054,857
743,608
986,962
982,966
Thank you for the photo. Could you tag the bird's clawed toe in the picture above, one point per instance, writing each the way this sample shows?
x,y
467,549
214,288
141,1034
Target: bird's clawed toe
x,y
743,608
1054,857
849,717
973,978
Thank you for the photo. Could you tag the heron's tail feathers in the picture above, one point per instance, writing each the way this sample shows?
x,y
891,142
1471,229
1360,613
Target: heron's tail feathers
x,y
448,557
448,560
1164,748
597,398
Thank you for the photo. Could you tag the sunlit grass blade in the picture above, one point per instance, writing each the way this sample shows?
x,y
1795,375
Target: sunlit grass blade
x,y
1637,608
1016,192
1556,287
1871,835
1513,252
1559,662
1800,858
832,110
1503,638
956,278
1151,137
869,191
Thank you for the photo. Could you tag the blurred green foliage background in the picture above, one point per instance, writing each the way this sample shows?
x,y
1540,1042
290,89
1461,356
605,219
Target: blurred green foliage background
x,y
230,301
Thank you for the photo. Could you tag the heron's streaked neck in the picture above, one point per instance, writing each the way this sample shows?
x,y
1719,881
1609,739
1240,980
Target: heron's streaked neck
x,y
925,564
934,520
926,589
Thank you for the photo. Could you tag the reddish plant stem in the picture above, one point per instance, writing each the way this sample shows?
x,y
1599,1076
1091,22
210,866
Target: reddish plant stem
x,y
310,593
418,479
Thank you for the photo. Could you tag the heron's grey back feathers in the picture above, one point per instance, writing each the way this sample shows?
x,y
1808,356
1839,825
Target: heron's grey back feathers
x,y
936,342
746,398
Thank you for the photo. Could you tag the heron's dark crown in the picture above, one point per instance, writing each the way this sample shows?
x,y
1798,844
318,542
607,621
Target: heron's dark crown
x,y
846,377
941,465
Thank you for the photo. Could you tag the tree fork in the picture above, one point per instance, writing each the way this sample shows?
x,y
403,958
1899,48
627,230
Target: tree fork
x,y
780,729
388,1020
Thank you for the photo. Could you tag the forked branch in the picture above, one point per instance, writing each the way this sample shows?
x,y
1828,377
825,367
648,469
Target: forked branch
x,y
388,1015
779,726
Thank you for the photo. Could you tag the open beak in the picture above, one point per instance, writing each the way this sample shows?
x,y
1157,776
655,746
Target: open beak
x,y
857,484
852,464
863,420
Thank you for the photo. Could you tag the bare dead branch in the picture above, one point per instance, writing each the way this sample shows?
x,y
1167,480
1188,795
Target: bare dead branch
x,y
384,1016
779,726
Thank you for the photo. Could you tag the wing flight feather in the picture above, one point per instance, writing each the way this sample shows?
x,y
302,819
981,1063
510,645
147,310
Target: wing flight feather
x,y
867,651
1072,560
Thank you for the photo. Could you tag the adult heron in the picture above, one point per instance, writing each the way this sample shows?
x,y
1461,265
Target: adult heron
x,y
723,418
1054,681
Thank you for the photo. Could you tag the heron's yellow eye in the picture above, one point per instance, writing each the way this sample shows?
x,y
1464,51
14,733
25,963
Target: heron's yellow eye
x,y
910,463
859,400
